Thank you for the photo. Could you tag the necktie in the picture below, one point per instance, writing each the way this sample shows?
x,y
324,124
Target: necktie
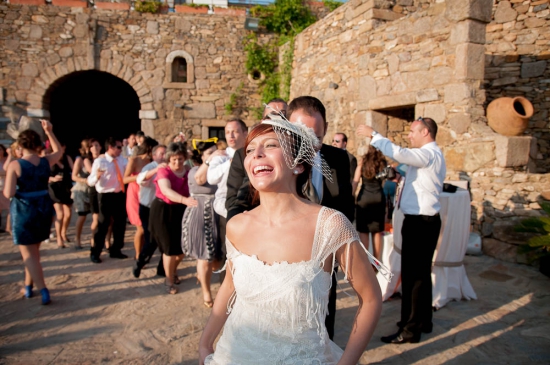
x,y
313,188
118,174
309,190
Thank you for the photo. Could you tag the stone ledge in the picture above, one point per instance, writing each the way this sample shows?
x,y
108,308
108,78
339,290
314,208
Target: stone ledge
x,y
148,114
512,151
393,101
407,99
178,85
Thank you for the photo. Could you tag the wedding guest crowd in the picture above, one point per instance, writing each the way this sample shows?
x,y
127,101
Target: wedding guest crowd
x,y
181,196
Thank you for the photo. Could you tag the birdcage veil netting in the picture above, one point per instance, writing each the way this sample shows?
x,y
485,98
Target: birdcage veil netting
x,y
299,144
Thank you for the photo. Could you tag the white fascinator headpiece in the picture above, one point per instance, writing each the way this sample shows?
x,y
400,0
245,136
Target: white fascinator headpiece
x,y
299,143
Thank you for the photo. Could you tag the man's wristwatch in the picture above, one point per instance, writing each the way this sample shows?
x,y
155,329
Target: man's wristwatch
x,y
374,133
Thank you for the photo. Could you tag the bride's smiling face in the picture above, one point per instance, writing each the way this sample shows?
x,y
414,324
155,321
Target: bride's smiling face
x,y
265,164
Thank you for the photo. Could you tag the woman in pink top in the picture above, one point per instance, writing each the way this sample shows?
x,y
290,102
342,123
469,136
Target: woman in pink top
x,y
172,197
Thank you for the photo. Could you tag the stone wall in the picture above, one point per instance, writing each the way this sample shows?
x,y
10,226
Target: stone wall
x,y
382,61
516,64
435,59
41,44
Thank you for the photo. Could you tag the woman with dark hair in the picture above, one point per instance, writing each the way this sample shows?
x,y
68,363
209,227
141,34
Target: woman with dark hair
x,y
280,255
60,186
171,199
31,206
370,208
200,224
135,164
81,190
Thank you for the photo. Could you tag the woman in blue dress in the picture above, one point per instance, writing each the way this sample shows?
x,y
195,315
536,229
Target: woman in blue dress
x,y
31,207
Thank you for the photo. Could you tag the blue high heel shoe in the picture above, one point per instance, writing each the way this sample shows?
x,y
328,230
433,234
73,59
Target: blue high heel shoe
x,y
45,296
28,291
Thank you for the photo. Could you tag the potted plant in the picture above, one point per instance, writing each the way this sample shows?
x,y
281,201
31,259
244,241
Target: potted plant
x,y
147,6
538,247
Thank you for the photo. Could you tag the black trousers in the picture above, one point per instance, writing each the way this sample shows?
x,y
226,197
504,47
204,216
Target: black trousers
x,y
330,319
149,246
111,205
420,234
222,230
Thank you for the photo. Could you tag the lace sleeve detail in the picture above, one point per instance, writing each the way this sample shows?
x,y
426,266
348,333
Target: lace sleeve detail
x,y
336,231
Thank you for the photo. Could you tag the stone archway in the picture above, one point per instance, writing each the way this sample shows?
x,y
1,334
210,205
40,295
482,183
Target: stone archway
x,y
86,104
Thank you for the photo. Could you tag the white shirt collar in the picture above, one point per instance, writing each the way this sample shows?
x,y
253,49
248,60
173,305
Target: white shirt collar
x,y
230,152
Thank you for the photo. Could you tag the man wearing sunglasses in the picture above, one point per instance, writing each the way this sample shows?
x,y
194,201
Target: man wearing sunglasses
x,y
340,140
106,176
419,202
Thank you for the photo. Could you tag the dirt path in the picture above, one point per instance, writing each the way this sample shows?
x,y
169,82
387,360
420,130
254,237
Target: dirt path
x,y
101,314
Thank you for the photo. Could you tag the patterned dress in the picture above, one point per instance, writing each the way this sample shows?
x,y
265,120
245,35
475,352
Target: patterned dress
x,y
199,227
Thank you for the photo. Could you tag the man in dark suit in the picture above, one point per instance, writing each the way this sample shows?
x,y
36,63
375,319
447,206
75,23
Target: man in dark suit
x,y
336,194
340,140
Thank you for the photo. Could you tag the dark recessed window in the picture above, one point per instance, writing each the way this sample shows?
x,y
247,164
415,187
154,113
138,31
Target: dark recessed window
x,y
216,132
179,70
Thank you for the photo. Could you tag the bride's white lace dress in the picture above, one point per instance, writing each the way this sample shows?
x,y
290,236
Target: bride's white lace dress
x,y
277,312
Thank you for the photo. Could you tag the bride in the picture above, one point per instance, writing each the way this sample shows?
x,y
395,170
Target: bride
x,y
280,256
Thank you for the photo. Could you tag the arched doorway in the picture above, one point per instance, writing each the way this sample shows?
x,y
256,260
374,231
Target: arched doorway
x,y
87,104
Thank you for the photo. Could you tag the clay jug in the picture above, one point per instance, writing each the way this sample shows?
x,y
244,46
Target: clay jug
x,y
509,116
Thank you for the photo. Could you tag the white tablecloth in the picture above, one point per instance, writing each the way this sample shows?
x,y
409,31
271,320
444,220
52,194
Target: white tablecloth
x,y
449,278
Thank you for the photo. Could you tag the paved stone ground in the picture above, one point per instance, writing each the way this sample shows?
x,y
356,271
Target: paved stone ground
x,y
101,315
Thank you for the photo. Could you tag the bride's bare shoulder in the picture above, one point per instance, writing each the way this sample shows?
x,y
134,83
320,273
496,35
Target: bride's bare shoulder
x,y
239,224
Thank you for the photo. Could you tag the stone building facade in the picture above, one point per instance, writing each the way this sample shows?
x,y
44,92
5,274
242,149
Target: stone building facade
x,y
386,62
42,44
381,62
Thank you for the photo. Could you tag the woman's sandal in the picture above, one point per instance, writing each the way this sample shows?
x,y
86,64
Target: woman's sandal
x,y
45,296
171,289
208,304
27,291
177,280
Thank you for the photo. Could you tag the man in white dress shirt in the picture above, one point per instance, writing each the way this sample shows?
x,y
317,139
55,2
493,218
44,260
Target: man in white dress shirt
x,y
147,193
129,146
419,202
106,176
218,169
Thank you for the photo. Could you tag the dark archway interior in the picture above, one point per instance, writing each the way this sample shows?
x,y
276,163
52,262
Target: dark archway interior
x,y
88,104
